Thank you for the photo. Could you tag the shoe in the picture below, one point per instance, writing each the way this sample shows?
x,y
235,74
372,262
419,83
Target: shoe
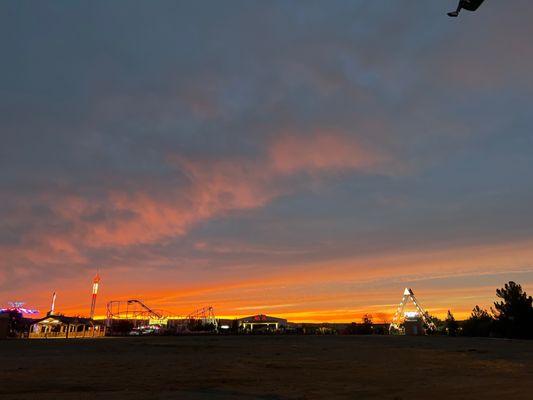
x,y
453,14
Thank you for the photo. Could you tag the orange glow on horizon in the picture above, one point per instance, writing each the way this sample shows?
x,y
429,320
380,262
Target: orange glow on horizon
x,y
340,290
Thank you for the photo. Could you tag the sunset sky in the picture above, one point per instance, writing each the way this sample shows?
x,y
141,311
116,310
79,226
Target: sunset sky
x,y
304,159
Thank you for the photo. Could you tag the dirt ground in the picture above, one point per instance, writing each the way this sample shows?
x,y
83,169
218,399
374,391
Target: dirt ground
x,y
267,367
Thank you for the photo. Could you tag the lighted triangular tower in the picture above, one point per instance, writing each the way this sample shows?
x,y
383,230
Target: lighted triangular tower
x,y
96,282
398,315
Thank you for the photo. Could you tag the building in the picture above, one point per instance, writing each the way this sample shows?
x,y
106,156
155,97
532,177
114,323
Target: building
x,y
60,326
13,324
4,325
413,324
256,323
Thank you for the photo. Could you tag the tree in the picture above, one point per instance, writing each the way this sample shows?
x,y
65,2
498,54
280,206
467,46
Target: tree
x,y
480,313
439,325
351,329
366,327
451,324
514,314
479,324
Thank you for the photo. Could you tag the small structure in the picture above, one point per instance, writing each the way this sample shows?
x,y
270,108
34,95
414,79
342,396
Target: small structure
x,y
60,326
261,323
413,324
13,320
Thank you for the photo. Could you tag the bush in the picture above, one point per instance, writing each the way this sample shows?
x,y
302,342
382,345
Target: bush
x,y
364,328
479,324
451,325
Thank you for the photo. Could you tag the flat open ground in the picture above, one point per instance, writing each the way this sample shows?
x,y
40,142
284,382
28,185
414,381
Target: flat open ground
x,y
267,367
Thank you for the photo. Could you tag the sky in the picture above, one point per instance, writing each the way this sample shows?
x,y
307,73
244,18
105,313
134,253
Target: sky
x,y
304,159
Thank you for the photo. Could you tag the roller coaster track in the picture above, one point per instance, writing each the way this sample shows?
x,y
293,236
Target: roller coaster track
x,y
205,314
131,309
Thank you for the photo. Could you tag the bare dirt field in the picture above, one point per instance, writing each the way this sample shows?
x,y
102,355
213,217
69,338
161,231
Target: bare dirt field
x,y
267,367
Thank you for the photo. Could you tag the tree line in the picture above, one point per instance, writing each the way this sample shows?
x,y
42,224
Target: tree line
x,y
511,317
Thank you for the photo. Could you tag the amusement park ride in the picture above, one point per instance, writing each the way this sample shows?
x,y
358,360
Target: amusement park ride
x,y
139,312
206,315
400,316
132,310
18,307
96,283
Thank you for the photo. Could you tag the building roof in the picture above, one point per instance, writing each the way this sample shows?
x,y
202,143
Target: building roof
x,y
261,318
62,319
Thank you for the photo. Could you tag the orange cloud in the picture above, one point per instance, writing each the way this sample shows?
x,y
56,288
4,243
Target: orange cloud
x,y
212,188
323,151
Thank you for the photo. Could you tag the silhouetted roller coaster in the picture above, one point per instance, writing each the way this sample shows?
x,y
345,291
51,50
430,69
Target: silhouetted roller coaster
x,y
132,309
